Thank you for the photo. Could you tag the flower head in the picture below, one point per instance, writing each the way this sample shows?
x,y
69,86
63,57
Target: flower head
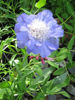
x,y
40,33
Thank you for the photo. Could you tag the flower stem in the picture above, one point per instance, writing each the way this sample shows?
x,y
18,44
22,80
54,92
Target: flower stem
x,y
36,11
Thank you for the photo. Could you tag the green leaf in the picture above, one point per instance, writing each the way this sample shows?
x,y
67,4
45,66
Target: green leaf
x,y
62,54
38,69
59,71
2,91
64,93
25,3
72,77
69,27
40,3
62,51
39,96
53,90
57,84
61,19
74,28
60,79
53,54
4,84
43,77
70,9
5,10
71,42
70,57
70,65
61,58
53,64
11,61
27,12
58,10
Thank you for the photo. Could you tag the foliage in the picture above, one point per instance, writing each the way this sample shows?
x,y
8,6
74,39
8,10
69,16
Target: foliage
x,y
18,74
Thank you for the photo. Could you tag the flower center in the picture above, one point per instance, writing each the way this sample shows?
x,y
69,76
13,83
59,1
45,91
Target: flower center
x,y
38,29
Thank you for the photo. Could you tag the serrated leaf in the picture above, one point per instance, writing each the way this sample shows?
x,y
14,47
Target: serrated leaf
x,y
40,3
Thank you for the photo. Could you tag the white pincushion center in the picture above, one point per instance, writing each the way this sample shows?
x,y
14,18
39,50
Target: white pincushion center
x,y
38,29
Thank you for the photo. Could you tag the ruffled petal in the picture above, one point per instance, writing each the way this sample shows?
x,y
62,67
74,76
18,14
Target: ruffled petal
x,y
45,15
28,51
20,44
34,45
21,17
30,44
22,38
19,27
56,31
59,32
42,50
52,23
38,43
30,18
26,18
52,43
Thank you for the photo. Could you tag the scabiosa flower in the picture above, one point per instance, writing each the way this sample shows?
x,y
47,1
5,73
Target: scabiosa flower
x,y
39,33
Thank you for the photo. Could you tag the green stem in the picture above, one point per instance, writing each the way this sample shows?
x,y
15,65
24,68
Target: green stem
x,y
66,19
36,11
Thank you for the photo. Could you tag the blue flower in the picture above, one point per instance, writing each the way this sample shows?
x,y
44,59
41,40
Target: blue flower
x,y
39,33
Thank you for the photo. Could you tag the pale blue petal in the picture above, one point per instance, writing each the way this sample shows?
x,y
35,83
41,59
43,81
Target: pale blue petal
x,y
21,17
22,38
42,50
56,31
45,15
52,43
19,27
30,44
27,19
